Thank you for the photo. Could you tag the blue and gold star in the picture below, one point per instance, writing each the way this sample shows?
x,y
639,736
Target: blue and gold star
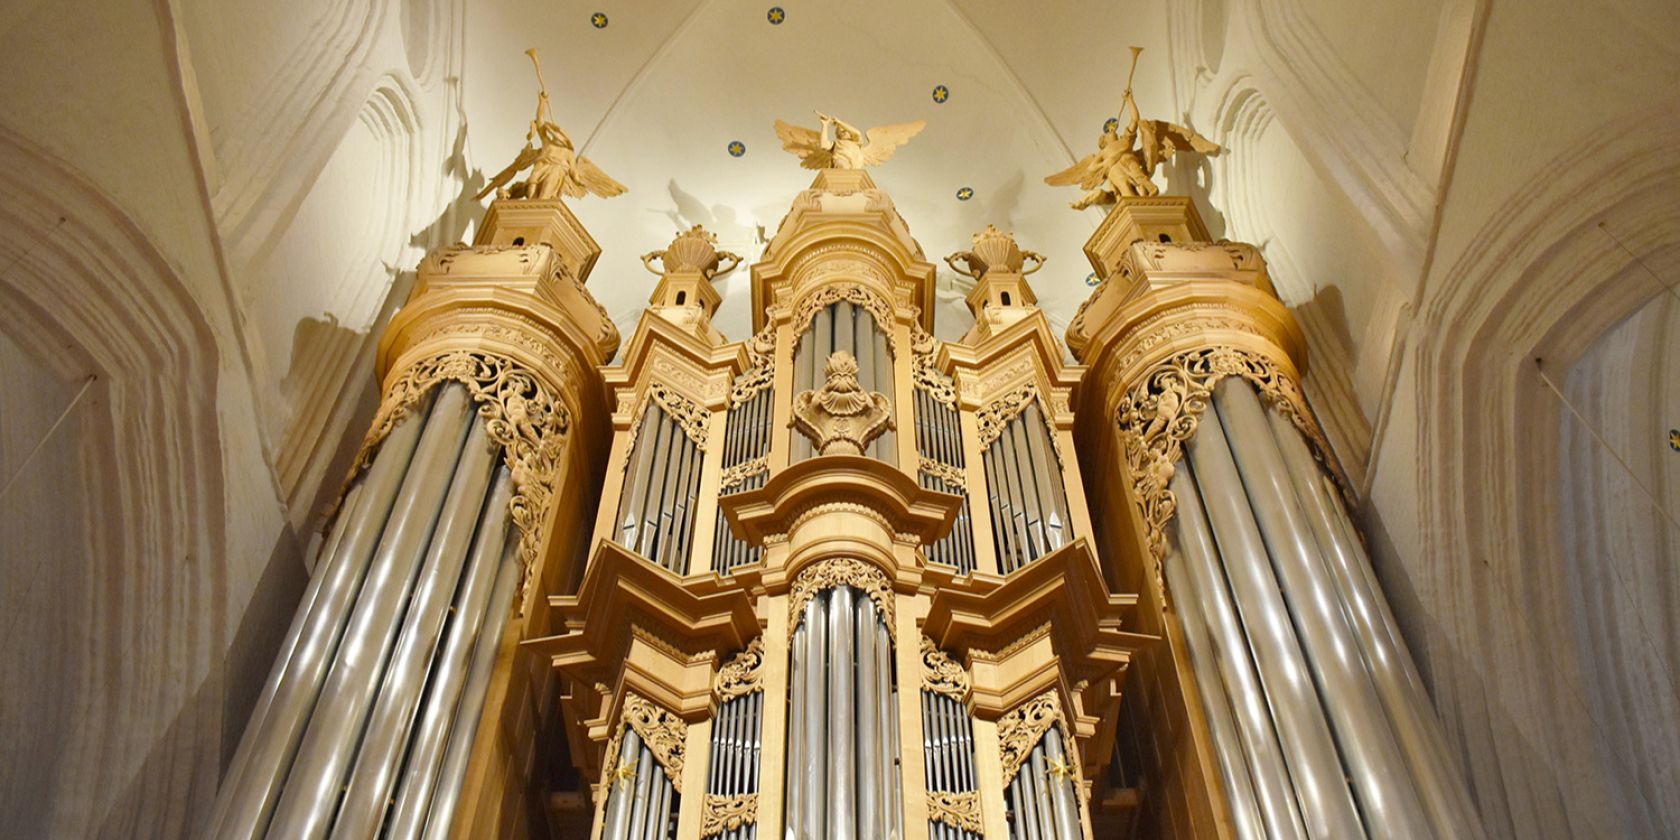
x,y
941,93
1674,439
1091,279
598,20
776,15
1111,124
965,193
737,148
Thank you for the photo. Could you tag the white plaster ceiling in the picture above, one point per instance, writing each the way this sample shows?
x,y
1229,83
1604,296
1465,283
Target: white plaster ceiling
x,y
656,97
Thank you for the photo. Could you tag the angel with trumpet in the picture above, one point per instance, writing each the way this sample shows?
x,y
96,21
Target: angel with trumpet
x,y
556,167
840,145
1127,156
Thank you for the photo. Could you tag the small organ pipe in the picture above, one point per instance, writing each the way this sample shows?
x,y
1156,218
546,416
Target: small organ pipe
x,y
869,741
617,823
842,765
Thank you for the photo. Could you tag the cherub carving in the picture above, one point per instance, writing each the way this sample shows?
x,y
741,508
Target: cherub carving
x,y
556,169
1126,158
839,145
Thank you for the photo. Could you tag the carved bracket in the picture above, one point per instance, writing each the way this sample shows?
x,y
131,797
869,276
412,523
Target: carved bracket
x,y
858,295
664,734
995,417
694,419
761,366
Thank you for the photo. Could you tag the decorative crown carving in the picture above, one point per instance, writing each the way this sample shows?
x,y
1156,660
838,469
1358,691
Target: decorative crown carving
x,y
841,418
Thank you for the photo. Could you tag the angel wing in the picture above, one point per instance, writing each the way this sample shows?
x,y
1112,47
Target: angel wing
x,y
1087,173
587,177
527,156
885,139
1160,139
806,144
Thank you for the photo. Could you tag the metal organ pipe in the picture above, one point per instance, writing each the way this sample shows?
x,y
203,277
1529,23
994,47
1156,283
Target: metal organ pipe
x,y
1372,756
1030,516
843,678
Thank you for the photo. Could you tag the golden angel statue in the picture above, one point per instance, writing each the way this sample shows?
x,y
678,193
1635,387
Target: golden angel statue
x,y
839,145
1128,156
556,169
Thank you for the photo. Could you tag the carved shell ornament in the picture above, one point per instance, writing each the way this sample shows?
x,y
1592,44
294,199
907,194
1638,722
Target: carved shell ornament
x,y
692,250
994,249
841,418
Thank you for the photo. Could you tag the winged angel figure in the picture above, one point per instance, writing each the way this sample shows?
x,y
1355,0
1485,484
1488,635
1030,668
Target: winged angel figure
x,y
1126,158
839,145
556,168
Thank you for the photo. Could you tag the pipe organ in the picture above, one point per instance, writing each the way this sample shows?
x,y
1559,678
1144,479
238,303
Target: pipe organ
x,y
843,579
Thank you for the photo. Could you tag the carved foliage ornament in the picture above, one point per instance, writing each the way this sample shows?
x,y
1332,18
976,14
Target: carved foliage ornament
x,y
663,733
727,813
1020,730
761,370
951,477
1163,410
742,675
738,474
857,295
841,571
957,810
521,416
924,373
941,675
690,415
997,414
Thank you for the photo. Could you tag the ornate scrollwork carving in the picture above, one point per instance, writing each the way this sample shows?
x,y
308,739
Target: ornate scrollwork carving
x,y
529,423
734,476
924,373
664,734
957,810
1163,410
727,813
995,417
816,301
941,674
694,419
952,477
761,369
1020,730
742,675
841,571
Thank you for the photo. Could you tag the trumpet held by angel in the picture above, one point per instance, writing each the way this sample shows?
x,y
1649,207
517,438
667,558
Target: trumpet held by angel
x,y
1127,156
556,167
838,144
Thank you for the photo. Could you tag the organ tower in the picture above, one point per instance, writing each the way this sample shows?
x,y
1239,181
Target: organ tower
x,y
840,578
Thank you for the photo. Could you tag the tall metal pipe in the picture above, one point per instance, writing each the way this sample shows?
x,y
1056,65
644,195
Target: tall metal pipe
x,y
449,669
842,740
1315,766
816,717
1384,651
795,739
1202,586
464,730
869,741
616,824
258,772
1389,801
1062,789
306,805
389,725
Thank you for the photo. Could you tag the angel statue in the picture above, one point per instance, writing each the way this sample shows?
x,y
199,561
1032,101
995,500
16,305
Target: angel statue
x,y
1126,158
556,169
846,149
